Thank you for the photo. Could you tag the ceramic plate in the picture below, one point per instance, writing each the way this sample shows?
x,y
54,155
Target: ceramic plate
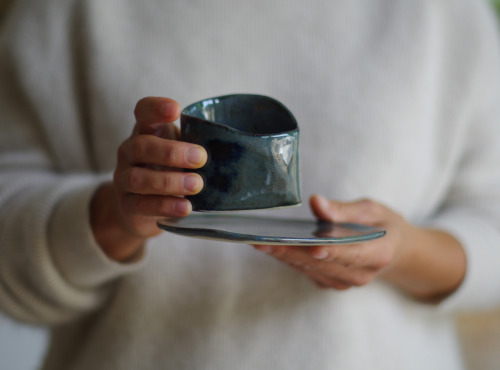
x,y
265,230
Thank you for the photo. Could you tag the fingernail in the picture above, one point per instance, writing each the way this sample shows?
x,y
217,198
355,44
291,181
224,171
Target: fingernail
x,y
191,183
169,109
182,206
321,255
195,155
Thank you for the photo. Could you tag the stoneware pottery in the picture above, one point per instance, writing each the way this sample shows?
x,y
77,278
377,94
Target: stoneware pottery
x,y
252,143
268,230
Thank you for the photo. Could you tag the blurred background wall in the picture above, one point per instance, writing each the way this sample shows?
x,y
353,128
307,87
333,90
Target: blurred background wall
x,y
22,346
479,333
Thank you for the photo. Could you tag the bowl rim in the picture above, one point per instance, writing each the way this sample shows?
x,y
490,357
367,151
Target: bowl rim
x,y
293,121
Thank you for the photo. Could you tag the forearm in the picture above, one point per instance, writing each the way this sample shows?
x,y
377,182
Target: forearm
x,y
51,268
432,266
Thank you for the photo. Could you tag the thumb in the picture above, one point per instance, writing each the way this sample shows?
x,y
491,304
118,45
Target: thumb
x,y
152,113
331,210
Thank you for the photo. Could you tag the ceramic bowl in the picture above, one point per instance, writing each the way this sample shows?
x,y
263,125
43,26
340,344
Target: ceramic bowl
x,y
252,143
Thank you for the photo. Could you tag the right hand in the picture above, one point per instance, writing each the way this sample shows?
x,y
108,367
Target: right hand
x,y
149,182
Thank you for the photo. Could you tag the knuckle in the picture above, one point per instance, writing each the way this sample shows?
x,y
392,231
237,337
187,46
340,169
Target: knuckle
x,y
170,154
165,183
121,152
333,254
355,261
374,211
164,207
368,204
133,179
171,131
139,105
138,148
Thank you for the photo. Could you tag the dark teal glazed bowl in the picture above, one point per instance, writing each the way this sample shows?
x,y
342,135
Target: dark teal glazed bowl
x,y
253,144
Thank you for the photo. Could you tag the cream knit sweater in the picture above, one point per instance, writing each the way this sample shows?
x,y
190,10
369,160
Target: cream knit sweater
x,y
396,100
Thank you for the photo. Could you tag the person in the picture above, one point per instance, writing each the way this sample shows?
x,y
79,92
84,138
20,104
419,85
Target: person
x,y
397,103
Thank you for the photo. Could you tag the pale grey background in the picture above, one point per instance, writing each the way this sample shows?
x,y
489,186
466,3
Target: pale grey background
x,y
21,346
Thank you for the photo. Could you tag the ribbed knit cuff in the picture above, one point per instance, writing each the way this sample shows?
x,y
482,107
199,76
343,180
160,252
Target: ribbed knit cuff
x,y
481,242
75,251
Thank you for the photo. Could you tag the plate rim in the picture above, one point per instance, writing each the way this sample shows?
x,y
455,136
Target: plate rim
x,y
228,236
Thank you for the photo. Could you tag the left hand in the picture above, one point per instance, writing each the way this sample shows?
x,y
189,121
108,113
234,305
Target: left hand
x,y
344,266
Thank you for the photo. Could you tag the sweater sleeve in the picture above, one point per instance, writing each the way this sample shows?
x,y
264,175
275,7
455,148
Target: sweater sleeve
x,y
471,213
51,269
471,210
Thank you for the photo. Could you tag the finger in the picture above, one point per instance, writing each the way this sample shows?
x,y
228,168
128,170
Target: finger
x,y
321,279
352,255
325,283
339,277
317,258
140,180
160,129
287,253
326,272
320,284
295,256
155,205
366,255
151,113
148,149
363,211
292,255
170,131
337,285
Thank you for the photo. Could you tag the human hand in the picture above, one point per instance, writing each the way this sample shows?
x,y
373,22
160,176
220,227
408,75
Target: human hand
x,y
149,182
427,264
343,266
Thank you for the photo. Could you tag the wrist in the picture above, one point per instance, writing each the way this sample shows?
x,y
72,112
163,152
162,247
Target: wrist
x,y
109,229
407,252
431,264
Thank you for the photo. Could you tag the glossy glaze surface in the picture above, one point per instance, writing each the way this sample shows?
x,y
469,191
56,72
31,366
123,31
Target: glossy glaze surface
x,y
268,230
252,143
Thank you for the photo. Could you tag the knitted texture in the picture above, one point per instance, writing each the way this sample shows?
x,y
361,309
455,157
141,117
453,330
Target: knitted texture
x,y
396,101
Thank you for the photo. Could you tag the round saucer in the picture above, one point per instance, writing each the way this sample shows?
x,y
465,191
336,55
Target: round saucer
x,y
269,230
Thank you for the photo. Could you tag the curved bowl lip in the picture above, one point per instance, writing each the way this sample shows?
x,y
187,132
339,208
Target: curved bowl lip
x,y
232,129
